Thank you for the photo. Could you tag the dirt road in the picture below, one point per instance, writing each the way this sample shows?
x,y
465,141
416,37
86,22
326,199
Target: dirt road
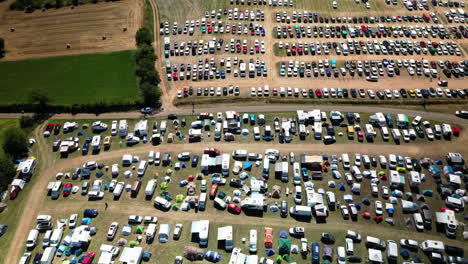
x,y
259,108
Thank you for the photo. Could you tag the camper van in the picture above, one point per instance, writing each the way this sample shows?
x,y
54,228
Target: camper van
x,y
96,143
202,201
48,255
150,187
118,189
150,232
392,250
142,168
55,192
123,128
253,241
135,188
356,173
56,237
385,134
331,200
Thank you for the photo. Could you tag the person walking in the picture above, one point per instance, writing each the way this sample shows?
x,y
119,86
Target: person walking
x,y
106,205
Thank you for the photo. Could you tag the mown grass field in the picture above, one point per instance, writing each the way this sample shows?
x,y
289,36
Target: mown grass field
x,y
68,80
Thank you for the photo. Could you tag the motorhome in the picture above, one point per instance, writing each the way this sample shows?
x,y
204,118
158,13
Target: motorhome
x,y
123,128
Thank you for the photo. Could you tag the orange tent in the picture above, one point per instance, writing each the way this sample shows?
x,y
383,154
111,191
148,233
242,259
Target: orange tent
x,y
268,231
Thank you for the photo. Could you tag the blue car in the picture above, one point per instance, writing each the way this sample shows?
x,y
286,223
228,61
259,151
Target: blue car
x,y
85,148
315,253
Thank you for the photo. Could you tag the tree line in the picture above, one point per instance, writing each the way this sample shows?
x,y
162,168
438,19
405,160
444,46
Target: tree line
x,y
148,77
2,48
30,5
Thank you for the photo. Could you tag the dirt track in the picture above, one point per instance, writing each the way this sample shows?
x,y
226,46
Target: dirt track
x,y
46,34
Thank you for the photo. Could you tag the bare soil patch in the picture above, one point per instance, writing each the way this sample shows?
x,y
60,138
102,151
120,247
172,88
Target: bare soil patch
x,y
47,33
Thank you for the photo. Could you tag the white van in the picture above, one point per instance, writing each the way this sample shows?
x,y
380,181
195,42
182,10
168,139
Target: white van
x,y
151,157
150,187
331,200
142,168
297,194
48,255
115,170
118,189
31,242
220,203
202,201
356,173
385,134
392,250
157,158
150,232
253,241
345,160
256,132
56,237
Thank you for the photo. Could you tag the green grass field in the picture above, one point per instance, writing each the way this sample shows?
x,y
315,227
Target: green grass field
x,y
71,80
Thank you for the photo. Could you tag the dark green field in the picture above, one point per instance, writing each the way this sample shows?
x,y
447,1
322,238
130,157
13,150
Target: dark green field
x,y
68,80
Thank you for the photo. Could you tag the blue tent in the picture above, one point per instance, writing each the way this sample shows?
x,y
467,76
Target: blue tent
x,y
147,256
404,253
244,175
283,234
269,252
86,221
212,256
247,165
427,192
358,206
184,165
341,186
80,133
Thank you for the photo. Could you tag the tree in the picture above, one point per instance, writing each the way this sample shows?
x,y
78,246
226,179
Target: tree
x,y
144,36
2,47
150,94
16,143
41,98
58,3
7,171
145,51
26,122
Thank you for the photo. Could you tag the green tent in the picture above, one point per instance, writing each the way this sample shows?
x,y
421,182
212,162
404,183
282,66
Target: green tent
x,y
164,185
134,243
284,248
175,207
365,200
179,198
140,229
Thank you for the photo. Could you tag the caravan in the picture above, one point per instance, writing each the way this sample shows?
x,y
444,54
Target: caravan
x,y
123,128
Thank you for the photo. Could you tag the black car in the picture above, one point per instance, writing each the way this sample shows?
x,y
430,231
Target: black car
x,y
76,173
183,122
3,229
403,93
284,208
380,94
236,183
57,128
327,238
419,131
37,258
56,144
353,93
311,93
147,110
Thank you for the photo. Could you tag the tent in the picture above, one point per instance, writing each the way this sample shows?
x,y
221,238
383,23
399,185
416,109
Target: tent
x,y
348,198
212,256
3,206
427,192
147,256
270,252
86,221
404,253
366,215
122,242
341,186
365,200
390,221
140,229
276,193
247,165
268,241
179,198
99,174
284,246
244,175
331,184
378,219
193,253
134,243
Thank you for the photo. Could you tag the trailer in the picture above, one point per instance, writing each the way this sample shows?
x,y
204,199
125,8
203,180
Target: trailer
x,y
123,126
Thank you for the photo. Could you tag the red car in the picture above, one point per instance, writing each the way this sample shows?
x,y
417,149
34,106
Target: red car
x,y
48,129
213,191
234,208
318,92
88,259
67,189
360,136
14,192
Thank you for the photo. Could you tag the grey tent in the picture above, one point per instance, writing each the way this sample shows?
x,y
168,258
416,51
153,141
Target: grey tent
x,y
193,253
122,242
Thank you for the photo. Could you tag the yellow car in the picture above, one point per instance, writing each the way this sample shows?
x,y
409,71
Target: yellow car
x,y
107,141
411,93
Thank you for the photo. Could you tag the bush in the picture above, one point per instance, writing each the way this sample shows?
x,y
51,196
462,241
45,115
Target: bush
x,y
15,144
26,122
144,36
7,171
2,47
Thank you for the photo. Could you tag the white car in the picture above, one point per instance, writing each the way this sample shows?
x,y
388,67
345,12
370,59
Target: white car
x,y
72,221
385,192
396,94
112,230
177,231
409,243
135,219
304,247
378,208
430,133
179,94
344,212
357,159
374,189
349,244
